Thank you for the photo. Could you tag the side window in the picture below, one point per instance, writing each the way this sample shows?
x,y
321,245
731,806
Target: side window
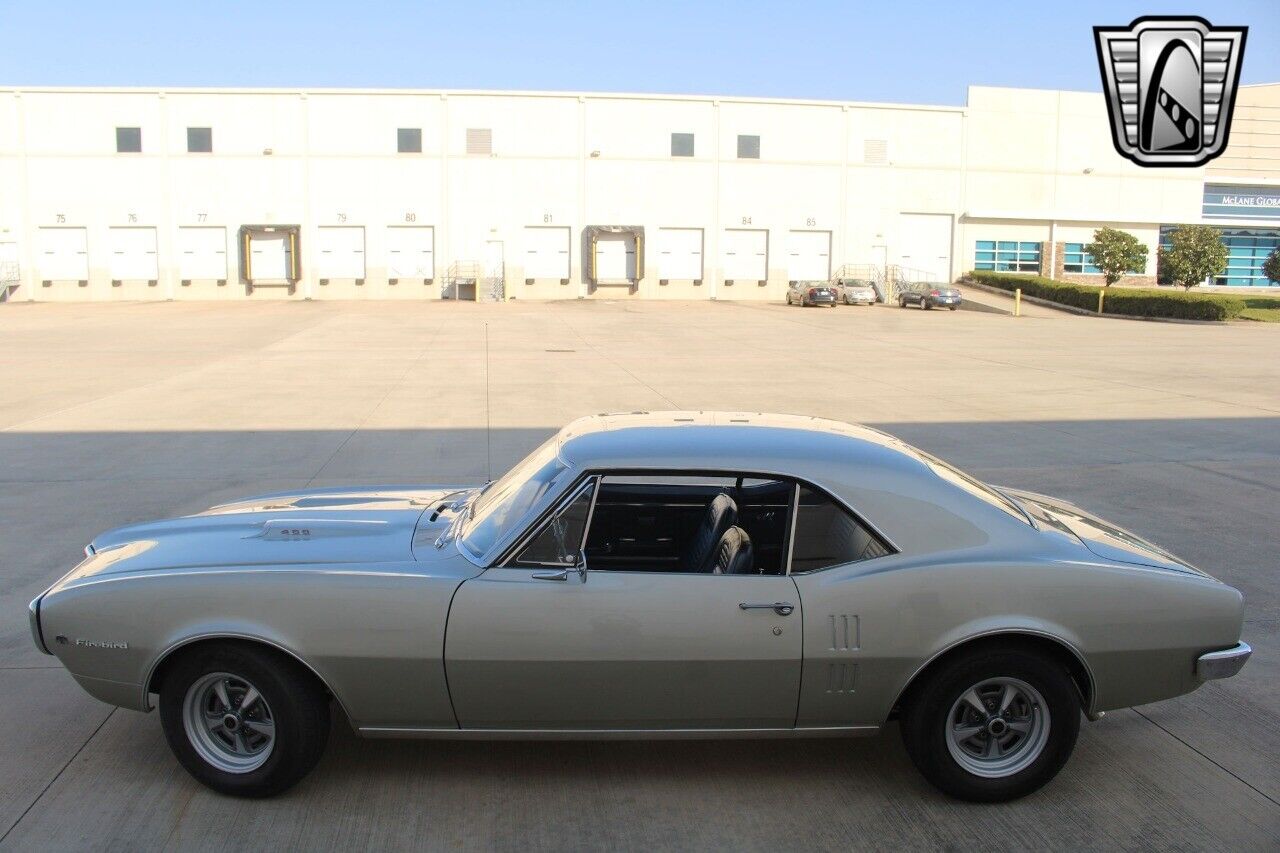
x,y
690,524
559,541
826,535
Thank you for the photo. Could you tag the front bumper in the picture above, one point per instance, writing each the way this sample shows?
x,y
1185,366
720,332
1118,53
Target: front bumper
x,y
33,616
1224,663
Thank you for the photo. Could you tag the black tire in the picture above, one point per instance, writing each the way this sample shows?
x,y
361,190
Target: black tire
x,y
926,304
298,706
902,303
952,307
926,714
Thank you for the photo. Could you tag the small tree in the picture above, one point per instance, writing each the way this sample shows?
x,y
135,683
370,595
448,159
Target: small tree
x,y
1271,266
1195,253
1116,253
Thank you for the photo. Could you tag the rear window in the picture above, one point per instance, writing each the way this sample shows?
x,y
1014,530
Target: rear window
x,y
977,488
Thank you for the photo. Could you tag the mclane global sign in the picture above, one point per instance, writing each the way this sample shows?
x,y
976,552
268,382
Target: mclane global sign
x,y
1225,201
1170,85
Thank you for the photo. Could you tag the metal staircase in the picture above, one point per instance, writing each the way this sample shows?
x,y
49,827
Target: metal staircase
x,y
473,281
461,280
492,284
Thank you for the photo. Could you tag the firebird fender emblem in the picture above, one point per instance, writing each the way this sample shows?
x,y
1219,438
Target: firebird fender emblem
x,y
100,644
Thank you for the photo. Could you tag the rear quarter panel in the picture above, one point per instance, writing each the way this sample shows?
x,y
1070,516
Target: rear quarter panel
x,y
869,627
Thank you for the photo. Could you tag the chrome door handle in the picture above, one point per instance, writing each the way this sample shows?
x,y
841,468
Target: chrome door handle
x,y
782,608
562,575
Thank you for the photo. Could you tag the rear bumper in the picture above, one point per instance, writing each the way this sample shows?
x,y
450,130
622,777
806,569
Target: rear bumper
x,y
1224,663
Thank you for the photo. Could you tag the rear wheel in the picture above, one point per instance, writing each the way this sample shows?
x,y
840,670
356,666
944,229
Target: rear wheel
x,y
925,304
244,720
952,307
902,302
992,725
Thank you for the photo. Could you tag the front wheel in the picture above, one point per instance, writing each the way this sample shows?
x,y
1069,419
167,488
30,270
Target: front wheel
x,y
244,720
992,725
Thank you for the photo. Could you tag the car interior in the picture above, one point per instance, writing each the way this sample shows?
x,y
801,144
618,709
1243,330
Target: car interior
x,y
701,525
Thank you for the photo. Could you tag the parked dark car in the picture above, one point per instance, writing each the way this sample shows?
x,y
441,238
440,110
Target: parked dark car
x,y
806,293
928,295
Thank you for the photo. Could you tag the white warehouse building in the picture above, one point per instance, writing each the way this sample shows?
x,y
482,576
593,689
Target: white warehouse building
x,y
128,194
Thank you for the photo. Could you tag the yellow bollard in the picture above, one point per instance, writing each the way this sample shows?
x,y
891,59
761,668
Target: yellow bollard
x,y
1017,302
1101,293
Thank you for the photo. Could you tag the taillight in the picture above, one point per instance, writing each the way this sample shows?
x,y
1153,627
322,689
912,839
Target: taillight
x,y
935,293
813,291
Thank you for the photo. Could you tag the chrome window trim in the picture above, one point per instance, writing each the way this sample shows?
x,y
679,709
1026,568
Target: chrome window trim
x,y
892,549
791,530
511,554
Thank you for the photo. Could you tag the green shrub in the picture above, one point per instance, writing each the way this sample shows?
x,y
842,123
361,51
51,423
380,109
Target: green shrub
x,y
1128,302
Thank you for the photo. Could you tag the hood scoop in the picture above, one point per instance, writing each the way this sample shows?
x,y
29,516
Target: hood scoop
x,y
309,529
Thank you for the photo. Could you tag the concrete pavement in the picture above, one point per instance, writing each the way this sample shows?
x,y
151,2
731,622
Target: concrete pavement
x,y
111,414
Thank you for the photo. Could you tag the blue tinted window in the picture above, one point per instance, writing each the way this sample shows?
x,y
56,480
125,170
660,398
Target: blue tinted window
x,y
1076,260
1012,256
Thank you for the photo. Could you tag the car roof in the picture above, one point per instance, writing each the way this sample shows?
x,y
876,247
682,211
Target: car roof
x,y
776,443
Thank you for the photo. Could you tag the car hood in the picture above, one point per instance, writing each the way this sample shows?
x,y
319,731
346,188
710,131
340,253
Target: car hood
x,y
1103,538
322,526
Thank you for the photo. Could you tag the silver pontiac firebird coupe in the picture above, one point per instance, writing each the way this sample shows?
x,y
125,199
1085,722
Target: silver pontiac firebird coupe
x,y
645,575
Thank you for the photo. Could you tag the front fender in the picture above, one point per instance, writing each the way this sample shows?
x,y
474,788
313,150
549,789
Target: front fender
x,y
374,635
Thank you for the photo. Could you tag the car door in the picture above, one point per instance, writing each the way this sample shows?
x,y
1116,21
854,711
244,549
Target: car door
x,y
556,647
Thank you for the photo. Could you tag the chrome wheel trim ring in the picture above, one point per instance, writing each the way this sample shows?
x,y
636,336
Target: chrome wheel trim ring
x,y
997,728
228,722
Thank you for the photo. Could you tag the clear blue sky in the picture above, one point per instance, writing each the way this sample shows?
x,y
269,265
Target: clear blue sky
x,y
890,50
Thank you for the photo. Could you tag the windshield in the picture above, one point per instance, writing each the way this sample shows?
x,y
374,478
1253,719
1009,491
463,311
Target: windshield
x,y
505,501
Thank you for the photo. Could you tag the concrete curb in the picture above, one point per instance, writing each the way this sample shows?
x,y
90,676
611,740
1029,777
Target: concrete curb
x,y
1071,309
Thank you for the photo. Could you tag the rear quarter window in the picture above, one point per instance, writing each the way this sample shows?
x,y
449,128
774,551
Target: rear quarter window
x,y
827,535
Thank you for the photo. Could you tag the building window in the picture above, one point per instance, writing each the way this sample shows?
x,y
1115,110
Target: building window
x,y
1076,259
479,140
748,147
409,140
682,145
199,140
1247,250
875,152
1007,256
128,140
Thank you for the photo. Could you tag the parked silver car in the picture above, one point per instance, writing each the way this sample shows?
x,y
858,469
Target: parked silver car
x,y
647,575
854,291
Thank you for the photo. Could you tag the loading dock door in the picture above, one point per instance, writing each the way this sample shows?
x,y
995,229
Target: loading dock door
x,y
133,254
546,252
411,252
746,254
615,257
202,253
271,256
62,254
341,252
809,256
924,244
680,253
